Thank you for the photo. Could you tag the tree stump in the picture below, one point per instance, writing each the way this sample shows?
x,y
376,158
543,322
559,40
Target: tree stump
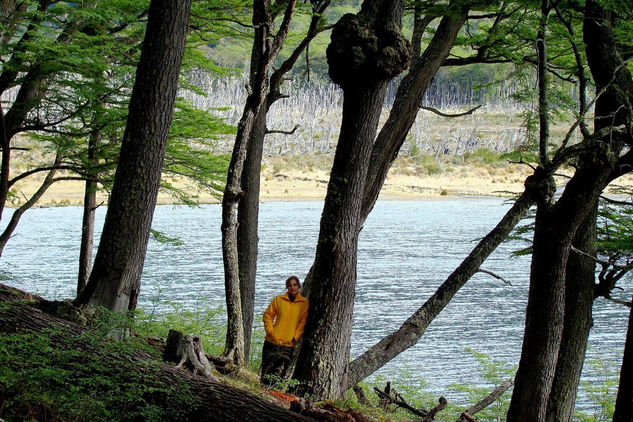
x,y
187,350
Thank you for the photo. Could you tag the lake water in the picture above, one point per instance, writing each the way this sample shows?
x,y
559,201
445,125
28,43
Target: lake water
x,y
406,250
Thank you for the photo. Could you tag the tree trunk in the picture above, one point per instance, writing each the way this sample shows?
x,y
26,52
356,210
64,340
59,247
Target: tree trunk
x,y
248,208
366,52
578,320
116,277
210,401
556,224
33,86
415,326
266,48
624,401
5,144
403,113
88,219
248,220
406,105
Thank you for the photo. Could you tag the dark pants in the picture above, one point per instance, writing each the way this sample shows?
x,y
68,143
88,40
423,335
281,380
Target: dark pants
x,y
275,361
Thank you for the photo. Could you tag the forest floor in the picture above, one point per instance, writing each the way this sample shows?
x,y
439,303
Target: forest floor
x,y
301,178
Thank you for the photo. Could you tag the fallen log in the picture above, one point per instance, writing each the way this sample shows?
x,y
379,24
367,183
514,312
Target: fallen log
x,y
208,400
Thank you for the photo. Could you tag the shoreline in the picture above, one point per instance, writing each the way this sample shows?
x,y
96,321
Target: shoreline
x,y
293,188
294,185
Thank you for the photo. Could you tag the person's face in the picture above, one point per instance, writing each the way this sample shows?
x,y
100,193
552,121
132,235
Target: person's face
x,y
293,287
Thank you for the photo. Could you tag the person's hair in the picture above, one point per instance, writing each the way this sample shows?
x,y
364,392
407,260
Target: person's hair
x,y
292,277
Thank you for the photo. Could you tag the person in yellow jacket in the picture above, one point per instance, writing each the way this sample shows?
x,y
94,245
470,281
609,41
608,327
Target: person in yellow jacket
x,y
284,321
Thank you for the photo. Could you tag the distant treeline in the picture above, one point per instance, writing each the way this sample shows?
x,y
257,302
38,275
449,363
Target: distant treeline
x,y
315,107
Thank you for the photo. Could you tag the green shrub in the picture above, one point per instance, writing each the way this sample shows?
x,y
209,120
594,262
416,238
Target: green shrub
x,y
483,156
44,377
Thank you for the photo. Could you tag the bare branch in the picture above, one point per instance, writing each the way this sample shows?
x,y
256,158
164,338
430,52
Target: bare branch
x,y
391,396
614,201
486,401
439,113
620,302
283,132
481,270
523,162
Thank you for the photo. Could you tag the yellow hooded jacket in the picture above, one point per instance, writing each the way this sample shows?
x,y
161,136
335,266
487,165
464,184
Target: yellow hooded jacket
x,y
285,320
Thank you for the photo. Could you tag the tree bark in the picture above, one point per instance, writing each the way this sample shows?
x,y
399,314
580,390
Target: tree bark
x,y
248,221
406,105
556,223
116,277
366,52
211,401
88,218
248,208
266,47
578,320
624,400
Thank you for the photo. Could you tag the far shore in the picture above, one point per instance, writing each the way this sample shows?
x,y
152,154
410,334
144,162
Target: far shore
x,y
293,184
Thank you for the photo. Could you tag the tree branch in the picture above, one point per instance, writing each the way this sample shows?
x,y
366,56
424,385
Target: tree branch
x,y
481,270
283,132
439,113
486,401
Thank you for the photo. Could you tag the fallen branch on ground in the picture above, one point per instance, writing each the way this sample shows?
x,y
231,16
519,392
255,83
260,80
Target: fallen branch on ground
x,y
466,416
391,396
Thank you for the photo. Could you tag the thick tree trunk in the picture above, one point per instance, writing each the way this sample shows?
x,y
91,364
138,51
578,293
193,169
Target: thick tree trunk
x,y
88,218
624,401
406,105
210,401
579,296
415,326
556,224
116,276
367,50
403,113
555,228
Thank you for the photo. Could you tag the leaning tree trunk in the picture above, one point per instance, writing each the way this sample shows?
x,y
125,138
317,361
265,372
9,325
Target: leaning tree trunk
x,y
202,398
624,401
414,327
17,214
366,52
115,280
579,295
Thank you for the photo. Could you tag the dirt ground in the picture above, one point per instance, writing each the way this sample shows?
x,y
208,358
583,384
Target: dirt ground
x,y
296,184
